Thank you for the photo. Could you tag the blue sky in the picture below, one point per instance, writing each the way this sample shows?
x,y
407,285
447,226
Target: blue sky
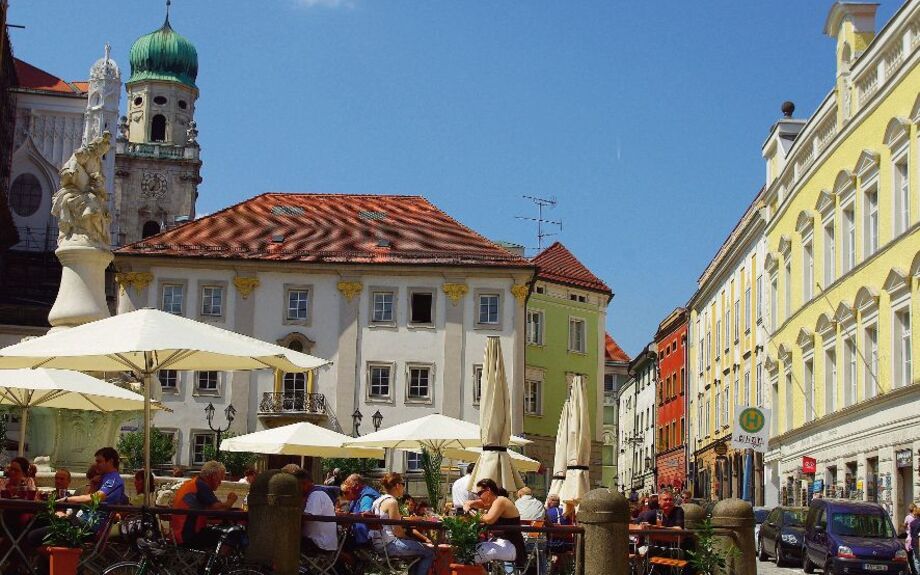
x,y
643,119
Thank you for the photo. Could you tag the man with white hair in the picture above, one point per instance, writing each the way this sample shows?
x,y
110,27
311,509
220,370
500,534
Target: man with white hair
x,y
198,494
530,508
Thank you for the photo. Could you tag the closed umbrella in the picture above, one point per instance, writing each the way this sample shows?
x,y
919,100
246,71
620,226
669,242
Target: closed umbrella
x,y
304,439
146,341
495,423
61,389
559,458
578,449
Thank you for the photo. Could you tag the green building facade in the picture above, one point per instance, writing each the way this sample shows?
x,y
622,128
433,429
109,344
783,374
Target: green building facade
x,y
566,317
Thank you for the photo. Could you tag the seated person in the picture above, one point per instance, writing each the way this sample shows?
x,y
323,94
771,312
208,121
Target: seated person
x,y
668,516
317,535
360,499
93,480
17,482
499,511
138,499
62,482
530,508
249,475
392,538
649,514
198,494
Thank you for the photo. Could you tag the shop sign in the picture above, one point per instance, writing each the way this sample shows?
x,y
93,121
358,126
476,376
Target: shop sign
x,y
809,465
904,458
817,486
751,428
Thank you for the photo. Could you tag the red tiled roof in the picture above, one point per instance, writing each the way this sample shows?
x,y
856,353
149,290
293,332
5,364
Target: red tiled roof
x,y
330,228
32,78
557,264
613,351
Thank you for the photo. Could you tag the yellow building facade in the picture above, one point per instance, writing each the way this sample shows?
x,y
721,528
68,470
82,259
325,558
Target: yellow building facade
x,y
842,274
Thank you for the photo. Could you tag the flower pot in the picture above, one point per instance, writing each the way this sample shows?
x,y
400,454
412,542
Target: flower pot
x,y
63,560
464,569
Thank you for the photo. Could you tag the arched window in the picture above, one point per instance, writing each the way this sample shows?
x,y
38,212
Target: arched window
x,y
158,128
150,228
25,195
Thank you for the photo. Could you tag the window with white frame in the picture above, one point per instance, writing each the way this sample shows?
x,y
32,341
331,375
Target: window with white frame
x,y
870,221
298,304
532,397
759,297
901,197
758,384
718,406
788,294
737,323
173,298
577,335
726,324
200,440
413,462
477,384
774,305
848,261
808,270
212,301
849,376
808,385
726,418
609,381
870,337
535,327
747,309
700,422
489,308
901,346
718,338
169,380
419,383
206,382
699,351
708,347
379,381
382,309
830,254
788,406
747,389
737,391
830,378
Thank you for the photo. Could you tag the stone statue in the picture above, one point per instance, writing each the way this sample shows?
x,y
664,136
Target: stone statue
x,y
81,205
123,129
191,134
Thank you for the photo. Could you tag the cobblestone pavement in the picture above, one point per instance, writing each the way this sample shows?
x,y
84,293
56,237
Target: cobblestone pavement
x,y
770,568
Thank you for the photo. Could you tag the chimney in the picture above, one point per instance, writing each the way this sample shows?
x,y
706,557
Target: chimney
x,y
852,24
779,142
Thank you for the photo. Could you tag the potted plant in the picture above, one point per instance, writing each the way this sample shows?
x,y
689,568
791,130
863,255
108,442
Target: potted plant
x,y
66,535
463,535
707,558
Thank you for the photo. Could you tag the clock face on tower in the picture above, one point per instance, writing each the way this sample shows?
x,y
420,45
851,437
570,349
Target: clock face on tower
x,y
153,185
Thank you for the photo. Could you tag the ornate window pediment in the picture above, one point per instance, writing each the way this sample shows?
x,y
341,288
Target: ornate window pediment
x,y
783,353
897,281
805,222
915,266
295,340
844,313
771,262
825,204
785,245
866,299
897,132
867,164
844,182
805,339
915,111
770,363
825,326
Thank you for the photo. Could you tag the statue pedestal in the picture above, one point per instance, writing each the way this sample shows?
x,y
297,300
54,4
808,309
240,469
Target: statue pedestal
x,y
81,295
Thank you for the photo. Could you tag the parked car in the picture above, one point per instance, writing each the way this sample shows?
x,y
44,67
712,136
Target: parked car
x,y
760,514
782,535
850,538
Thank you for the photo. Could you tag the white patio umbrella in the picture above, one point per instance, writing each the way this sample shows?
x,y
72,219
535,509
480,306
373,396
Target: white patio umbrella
x,y
495,423
304,439
433,432
146,341
519,461
578,449
559,458
61,389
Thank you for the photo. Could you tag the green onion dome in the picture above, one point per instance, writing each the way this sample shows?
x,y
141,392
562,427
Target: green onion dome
x,y
164,55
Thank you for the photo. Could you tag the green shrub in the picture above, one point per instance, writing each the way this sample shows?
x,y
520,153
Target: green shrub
x,y
463,534
236,462
131,449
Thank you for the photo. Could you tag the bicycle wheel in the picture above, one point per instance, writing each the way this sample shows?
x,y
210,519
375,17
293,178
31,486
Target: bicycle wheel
x,y
126,568
243,571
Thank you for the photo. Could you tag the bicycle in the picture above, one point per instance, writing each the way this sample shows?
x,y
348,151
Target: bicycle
x,y
155,558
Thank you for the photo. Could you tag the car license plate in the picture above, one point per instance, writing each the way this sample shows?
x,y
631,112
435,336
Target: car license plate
x,y
875,567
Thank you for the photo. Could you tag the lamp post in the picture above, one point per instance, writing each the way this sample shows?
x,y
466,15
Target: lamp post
x,y
229,413
356,418
377,420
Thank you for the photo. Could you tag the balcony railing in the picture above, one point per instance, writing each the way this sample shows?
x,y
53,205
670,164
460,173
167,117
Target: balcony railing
x,y
292,402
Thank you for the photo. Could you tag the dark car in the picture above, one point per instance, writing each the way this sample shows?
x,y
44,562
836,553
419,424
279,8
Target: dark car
x,y
782,535
849,538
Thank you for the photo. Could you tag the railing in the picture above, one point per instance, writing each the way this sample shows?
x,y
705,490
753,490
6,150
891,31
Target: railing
x,y
284,402
156,150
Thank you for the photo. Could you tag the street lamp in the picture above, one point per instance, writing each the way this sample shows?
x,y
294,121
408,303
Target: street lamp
x,y
356,418
229,413
377,420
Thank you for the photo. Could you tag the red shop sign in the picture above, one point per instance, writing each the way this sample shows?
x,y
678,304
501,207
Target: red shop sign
x,y
809,465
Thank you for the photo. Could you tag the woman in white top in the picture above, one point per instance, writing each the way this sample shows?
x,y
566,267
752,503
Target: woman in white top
x,y
393,537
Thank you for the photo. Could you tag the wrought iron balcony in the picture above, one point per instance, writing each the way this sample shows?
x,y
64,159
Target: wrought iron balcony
x,y
292,403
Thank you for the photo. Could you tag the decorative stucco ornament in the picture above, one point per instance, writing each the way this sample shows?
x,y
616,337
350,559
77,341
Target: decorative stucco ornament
x,y
520,292
349,289
245,285
455,291
153,185
137,280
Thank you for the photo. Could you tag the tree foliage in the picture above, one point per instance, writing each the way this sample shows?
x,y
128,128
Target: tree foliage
x,y
131,449
236,462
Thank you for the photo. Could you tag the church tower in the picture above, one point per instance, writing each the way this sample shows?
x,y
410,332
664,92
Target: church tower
x,y
102,116
157,166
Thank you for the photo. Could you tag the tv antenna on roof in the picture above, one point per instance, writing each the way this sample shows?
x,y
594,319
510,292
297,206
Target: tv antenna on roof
x,y
541,204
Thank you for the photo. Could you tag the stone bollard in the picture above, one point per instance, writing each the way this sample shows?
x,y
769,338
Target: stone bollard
x,y
604,515
694,515
275,510
736,516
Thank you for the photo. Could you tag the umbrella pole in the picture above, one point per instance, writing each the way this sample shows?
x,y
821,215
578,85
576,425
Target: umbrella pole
x,y
148,381
23,422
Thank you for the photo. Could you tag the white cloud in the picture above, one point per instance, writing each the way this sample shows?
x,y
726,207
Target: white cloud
x,y
348,4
